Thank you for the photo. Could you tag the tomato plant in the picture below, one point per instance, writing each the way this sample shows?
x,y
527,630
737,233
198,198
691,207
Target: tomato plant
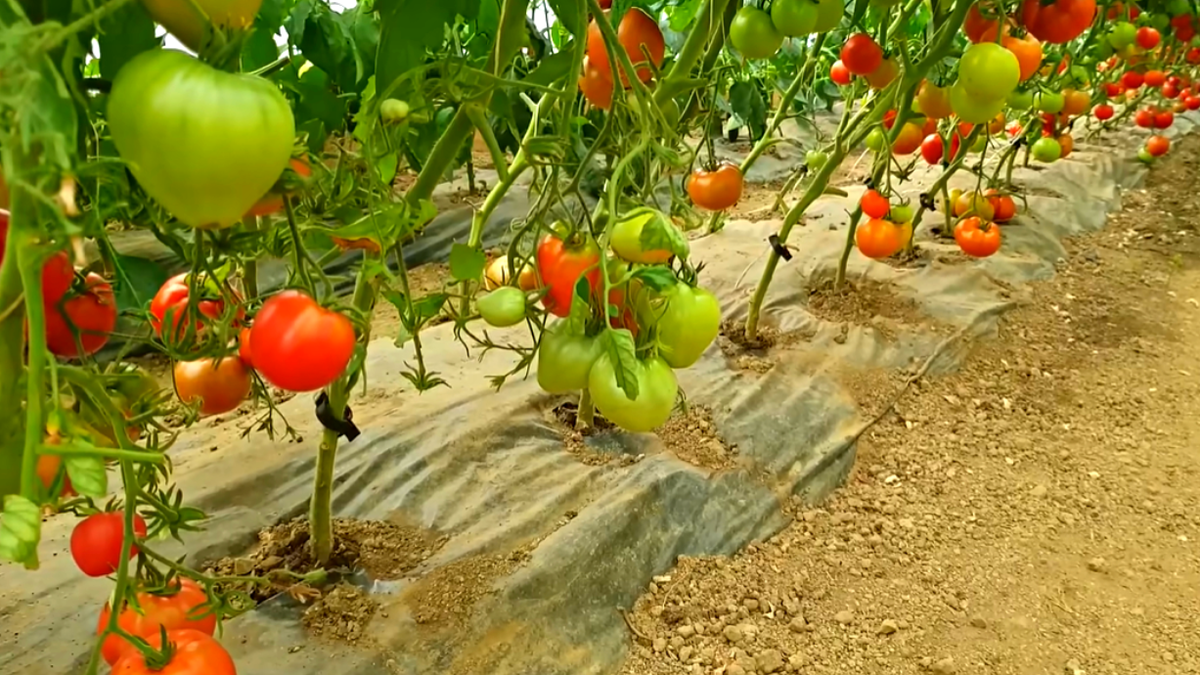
x,y
170,305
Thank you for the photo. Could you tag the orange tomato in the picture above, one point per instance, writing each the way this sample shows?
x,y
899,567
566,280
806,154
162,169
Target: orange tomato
x,y
1028,52
878,238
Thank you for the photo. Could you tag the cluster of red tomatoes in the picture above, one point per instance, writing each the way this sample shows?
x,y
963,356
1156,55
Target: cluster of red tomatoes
x,y
862,56
1170,87
889,229
294,343
636,32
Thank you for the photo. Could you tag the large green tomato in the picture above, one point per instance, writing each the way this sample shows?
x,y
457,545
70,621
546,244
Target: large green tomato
x,y
829,15
753,34
503,307
988,71
565,358
205,143
1122,34
627,237
1046,150
794,17
687,324
973,109
657,389
1020,100
1050,101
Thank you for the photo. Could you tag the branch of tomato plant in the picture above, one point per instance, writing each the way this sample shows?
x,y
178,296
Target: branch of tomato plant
x,y
707,24
53,39
77,449
943,179
479,120
712,54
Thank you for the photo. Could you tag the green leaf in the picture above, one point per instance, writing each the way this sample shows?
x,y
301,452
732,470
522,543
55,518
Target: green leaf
x,y
20,531
387,166
619,7
656,277
429,306
659,233
568,15
747,103
408,29
87,475
124,34
270,16
623,354
682,15
259,50
552,68
466,262
137,280
297,21
317,100
327,44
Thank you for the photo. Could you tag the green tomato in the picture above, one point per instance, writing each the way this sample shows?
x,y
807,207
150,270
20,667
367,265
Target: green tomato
x,y
973,109
1103,50
1160,21
1079,75
688,320
1144,156
503,307
1020,100
815,159
875,140
979,144
1177,7
627,236
657,389
988,71
1122,34
1050,101
565,358
829,15
393,110
1046,150
753,34
794,17
204,143
901,213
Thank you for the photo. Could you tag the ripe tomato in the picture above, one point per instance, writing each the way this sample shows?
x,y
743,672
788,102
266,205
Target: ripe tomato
x,y
972,203
840,74
861,55
1158,146
716,190
193,653
933,101
1113,89
688,319
908,139
170,304
1028,52
878,238
299,345
1046,150
997,124
184,607
497,272
976,238
933,148
220,385
244,352
1132,79
1075,102
1170,91
1067,143
1058,21
657,390
637,30
874,205
1147,37
96,542
883,75
1164,119
560,267
1192,102
1103,112
973,109
185,23
1003,206
977,27
235,130
596,86
1154,78
92,313
565,357
503,307
794,18
1144,118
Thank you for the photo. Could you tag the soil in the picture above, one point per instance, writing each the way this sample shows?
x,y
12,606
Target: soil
x,y
565,418
341,614
445,597
693,437
867,302
385,550
1035,512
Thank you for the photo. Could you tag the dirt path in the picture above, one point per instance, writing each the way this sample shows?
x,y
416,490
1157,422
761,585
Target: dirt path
x,y
1038,512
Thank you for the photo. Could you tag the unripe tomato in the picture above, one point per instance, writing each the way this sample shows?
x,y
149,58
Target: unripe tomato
x,y
1144,156
861,55
794,18
974,109
96,542
840,74
1067,143
907,140
875,140
900,213
92,313
299,345
393,110
657,390
753,34
688,321
1050,101
718,189
1075,102
974,204
1020,100
636,31
815,159
220,385
977,238
565,358
988,71
204,143
933,101
1046,150
503,307
883,75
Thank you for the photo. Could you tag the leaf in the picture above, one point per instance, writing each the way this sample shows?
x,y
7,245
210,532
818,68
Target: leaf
x,y
409,28
260,49
682,15
623,354
656,277
552,68
137,280
327,44
124,34
568,16
317,100
387,166
270,16
429,306
20,531
87,475
619,7
747,103
659,233
466,262
297,21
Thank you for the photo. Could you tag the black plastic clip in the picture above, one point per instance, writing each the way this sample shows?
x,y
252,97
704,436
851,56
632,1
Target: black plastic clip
x,y
780,249
926,202
869,181
343,427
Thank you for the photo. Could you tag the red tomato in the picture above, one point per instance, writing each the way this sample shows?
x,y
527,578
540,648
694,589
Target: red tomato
x,y
1113,89
57,273
299,345
1103,112
1154,78
977,238
861,55
840,74
1058,21
96,542
1144,118
560,268
170,304
596,86
1014,129
874,205
219,387
1147,37
908,139
933,148
186,607
637,30
1003,206
92,313
244,352
1193,55
1170,91
1158,146
1132,79
1192,103
1164,119
193,653
716,190
977,27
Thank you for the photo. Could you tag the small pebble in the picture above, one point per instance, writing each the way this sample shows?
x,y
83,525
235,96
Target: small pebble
x,y
888,627
844,617
944,666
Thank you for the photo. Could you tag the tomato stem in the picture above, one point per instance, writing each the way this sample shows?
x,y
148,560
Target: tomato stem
x,y
585,419
707,24
68,450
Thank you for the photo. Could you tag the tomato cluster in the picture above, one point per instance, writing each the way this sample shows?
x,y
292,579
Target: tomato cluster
x,y
642,41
